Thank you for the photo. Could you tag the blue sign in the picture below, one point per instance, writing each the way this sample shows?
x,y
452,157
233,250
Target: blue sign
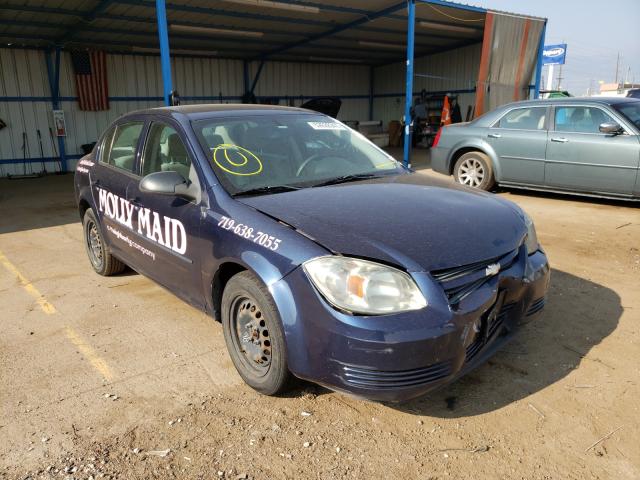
x,y
554,54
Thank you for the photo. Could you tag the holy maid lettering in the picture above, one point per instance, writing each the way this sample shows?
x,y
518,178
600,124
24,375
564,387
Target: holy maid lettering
x,y
160,229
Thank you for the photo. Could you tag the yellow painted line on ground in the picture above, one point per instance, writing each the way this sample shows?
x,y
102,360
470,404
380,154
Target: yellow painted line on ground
x,y
90,354
46,307
85,349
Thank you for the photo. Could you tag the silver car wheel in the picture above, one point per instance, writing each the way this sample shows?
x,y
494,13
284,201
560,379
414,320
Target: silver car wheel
x,y
471,172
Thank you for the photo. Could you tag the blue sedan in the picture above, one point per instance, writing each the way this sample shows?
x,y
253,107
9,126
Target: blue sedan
x,y
322,256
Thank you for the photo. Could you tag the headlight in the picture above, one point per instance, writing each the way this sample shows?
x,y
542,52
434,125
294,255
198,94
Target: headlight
x,y
364,287
532,238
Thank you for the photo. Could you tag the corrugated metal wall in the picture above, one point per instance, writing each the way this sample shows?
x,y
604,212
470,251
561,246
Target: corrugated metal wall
x,y
458,70
295,80
135,82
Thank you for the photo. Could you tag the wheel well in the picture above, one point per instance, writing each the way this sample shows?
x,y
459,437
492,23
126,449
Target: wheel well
x,y
459,153
220,279
83,206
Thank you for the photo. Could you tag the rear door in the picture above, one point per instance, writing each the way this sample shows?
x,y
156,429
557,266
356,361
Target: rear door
x,y
519,139
112,175
168,227
581,158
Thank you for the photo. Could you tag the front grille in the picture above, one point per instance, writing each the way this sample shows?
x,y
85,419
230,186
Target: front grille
x,y
536,306
362,377
458,282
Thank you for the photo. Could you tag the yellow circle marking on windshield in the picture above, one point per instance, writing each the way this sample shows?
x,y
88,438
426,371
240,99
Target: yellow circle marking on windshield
x,y
249,163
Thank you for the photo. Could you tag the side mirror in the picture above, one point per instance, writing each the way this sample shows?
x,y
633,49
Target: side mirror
x,y
611,128
167,183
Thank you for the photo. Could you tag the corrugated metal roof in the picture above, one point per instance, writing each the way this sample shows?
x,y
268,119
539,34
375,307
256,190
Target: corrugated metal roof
x,y
246,29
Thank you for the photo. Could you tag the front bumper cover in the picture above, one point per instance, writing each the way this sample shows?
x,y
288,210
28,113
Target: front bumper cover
x,y
402,356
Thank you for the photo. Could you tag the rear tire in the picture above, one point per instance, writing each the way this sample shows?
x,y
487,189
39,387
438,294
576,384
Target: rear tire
x,y
254,335
474,169
101,259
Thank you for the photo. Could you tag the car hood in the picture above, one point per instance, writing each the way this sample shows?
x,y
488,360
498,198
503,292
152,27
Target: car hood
x,y
412,220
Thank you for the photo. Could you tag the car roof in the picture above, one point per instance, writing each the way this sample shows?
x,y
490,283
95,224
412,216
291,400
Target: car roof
x,y
577,100
200,111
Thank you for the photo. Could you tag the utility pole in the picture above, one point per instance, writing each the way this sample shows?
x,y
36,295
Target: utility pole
x,y
617,67
560,77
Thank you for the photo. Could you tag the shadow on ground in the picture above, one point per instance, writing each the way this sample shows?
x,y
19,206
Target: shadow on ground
x,y
28,204
579,315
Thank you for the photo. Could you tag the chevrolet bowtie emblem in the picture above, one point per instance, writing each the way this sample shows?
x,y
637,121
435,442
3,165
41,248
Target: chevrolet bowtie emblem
x,y
492,269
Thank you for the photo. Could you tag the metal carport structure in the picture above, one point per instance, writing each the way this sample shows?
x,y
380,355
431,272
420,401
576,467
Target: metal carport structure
x,y
252,31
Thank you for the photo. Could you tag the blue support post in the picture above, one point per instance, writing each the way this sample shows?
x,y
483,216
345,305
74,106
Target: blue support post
x,y
371,87
539,64
53,75
257,77
245,75
411,23
165,58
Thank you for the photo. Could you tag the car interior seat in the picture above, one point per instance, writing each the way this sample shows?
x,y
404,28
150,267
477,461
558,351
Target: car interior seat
x,y
177,159
125,162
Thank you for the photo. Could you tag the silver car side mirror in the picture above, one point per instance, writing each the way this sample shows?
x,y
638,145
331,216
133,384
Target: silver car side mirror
x,y
611,128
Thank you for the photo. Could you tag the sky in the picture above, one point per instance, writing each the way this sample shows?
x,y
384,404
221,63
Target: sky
x,y
594,31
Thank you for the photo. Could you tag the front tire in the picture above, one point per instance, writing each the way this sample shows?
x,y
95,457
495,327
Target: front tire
x,y
253,334
474,169
101,259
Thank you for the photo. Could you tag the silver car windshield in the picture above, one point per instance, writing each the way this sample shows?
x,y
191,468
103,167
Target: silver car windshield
x,y
276,152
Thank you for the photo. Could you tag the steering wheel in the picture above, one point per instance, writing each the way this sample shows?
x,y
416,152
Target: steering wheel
x,y
314,158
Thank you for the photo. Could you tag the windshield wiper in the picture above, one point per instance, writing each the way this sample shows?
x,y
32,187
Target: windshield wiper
x,y
266,189
346,178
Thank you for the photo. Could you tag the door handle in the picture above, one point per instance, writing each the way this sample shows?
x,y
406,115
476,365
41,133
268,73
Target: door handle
x,y
494,135
559,140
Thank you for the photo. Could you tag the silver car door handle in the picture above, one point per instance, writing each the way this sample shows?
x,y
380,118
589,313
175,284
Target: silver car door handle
x,y
494,135
559,140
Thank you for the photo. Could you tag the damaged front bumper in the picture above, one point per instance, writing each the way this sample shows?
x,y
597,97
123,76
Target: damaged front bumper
x,y
402,356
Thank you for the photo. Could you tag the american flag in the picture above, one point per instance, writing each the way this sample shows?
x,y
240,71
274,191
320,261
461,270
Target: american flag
x,y
90,69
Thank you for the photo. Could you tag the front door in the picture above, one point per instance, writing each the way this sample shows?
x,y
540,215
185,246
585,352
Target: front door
x,y
519,139
581,158
168,227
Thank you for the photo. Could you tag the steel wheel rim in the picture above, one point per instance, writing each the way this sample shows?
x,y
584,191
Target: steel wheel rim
x,y
471,172
94,244
250,335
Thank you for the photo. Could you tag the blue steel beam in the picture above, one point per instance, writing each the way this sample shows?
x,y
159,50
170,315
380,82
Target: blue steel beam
x,y
165,59
333,31
87,17
539,62
411,23
371,90
186,36
257,77
204,10
53,75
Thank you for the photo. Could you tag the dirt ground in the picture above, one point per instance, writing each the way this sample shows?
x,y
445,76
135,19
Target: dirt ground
x,y
117,378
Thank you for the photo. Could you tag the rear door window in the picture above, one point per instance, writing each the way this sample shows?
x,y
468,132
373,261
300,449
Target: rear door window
x,y
121,151
530,118
580,119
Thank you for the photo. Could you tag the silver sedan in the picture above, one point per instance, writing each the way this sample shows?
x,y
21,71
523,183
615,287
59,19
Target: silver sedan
x,y
588,146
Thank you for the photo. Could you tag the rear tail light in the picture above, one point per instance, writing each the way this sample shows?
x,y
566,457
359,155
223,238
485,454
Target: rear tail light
x,y
437,139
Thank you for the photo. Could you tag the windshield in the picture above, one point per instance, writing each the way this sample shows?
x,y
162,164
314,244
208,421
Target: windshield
x,y
631,111
269,153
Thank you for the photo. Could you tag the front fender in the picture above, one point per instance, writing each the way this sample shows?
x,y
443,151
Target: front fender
x,y
224,246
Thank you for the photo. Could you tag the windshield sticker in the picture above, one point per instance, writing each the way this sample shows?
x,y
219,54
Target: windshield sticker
x,y
236,160
160,229
326,126
245,231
